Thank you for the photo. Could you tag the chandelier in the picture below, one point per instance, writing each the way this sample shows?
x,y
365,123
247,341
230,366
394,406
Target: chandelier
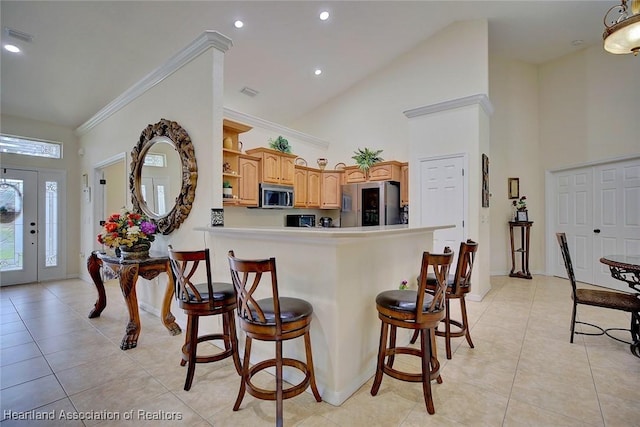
x,y
622,28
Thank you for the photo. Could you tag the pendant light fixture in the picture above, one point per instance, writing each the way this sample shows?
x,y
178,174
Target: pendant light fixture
x,y
622,28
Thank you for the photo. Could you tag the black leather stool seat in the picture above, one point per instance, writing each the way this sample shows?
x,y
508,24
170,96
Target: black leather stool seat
x,y
291,310
431,280
402,300
221,292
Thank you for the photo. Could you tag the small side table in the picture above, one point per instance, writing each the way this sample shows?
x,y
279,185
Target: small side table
x,y
525,227
127,271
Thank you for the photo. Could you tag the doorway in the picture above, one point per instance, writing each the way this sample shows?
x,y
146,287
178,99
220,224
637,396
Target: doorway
x,y
32,240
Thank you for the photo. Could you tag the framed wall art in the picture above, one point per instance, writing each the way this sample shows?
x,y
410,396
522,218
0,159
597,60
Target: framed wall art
x,y
514,188
522,216
485,181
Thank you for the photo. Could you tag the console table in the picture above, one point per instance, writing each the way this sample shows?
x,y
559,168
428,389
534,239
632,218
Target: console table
x,y
525,227
127,271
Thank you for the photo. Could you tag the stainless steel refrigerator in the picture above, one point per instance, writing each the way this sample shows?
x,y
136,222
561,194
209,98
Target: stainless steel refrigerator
x,y
370,203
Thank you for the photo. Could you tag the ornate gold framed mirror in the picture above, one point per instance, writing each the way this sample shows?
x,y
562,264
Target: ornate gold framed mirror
x,y
163,164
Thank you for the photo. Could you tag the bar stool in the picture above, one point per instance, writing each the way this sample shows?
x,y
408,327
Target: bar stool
x,y
203,299
274,319
420,311
458,286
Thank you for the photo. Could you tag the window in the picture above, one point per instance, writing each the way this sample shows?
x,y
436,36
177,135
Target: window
x,y
30,147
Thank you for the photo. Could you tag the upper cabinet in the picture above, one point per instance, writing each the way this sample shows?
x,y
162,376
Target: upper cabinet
x,y
277,167
331,194
231,154
307,187
382,171
249,168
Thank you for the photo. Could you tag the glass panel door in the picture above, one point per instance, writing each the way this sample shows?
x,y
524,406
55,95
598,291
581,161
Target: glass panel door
x,y
18,227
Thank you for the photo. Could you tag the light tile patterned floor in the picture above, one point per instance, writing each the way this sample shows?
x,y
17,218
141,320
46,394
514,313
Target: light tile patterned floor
x,y
523,370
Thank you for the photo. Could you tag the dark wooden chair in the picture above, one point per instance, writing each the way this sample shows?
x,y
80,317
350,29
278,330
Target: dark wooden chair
x,y
420,311
203,299
276,319
595,297
458,286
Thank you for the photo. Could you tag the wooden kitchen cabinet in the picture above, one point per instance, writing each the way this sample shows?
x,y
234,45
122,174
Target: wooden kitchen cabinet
x,y
307,184
277,167
248,191
231,157
331,197
383,171
404,184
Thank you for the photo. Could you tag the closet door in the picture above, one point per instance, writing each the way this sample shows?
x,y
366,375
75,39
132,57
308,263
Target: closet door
x,y
598,207
574,216
616,214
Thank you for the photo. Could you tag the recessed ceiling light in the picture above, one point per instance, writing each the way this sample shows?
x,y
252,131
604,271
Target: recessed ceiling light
x,y
317,72
12,48
324,15
238,24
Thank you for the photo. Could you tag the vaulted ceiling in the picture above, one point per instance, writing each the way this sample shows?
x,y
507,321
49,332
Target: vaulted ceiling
x,y
84,54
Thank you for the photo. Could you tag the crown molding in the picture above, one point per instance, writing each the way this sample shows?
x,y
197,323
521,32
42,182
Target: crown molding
x,y
208,39
480,99
282,130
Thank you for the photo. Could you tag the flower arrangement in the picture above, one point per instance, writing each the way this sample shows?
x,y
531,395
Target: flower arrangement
x,y
521,204
127,228
403,285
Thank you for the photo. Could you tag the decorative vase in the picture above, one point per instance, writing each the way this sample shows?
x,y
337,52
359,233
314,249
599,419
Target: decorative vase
x,y
322,163
138,251
227,143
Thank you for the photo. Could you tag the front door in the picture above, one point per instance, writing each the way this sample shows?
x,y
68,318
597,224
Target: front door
x,y
18,227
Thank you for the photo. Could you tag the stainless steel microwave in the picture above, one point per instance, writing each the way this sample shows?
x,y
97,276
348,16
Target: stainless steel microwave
x,y
276,196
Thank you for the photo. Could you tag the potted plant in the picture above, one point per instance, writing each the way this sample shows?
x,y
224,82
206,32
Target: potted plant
x,y
280,144
227,190
366,158
130,233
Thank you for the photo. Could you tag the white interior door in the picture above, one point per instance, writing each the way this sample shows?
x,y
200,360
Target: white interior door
x,y
574,216
616,215
442,200
598,207
18,227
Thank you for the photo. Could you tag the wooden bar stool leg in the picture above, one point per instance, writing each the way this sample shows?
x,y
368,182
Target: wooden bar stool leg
x,y
465,321
279,397
392,346
381,354
312,375
192,326
447,327
186,344
233,336
245,373
425,344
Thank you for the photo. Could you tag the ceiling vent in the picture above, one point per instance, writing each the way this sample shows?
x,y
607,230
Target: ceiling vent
x,y
10,32
249,92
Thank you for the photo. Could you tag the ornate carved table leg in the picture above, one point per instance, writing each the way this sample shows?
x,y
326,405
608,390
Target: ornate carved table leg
x,y
128,279
93,265
635,334
168,319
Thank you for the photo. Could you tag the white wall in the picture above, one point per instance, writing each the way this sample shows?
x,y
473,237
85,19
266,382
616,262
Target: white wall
x,y
69,163
451,64
191,97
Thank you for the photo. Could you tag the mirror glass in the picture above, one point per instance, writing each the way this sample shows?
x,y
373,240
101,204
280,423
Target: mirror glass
x,y
163,175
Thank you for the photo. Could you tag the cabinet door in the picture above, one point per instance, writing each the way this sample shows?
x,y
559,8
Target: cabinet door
x,y
404,185
384,172
300,188
313,189
331,194
353,175
248,182
287,170
271,168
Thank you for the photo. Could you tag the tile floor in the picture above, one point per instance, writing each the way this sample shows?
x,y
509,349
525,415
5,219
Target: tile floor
x,y
523,370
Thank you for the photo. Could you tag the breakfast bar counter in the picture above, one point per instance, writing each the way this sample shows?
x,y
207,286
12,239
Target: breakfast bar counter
x,y
339,271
